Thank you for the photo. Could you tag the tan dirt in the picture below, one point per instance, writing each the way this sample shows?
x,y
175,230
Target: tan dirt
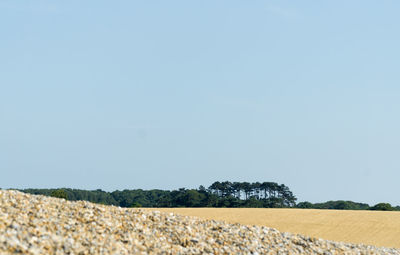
x,y
368,227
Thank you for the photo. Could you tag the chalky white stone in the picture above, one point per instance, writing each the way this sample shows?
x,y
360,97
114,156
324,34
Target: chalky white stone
x,y
32,224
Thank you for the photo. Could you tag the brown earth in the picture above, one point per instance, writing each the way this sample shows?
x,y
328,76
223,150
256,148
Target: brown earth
x,y
368,227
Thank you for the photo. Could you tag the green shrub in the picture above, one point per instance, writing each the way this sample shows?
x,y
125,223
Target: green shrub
x,y
305,205
59,193
382,207
136,204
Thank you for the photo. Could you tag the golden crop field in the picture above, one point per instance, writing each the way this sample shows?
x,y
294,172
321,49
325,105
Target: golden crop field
x,y
368,227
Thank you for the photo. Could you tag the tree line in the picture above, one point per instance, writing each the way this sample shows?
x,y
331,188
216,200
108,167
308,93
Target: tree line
x,y
218,194
266,192
348,205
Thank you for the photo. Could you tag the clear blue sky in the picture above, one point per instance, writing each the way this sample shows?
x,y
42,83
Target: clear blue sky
x,y
169,94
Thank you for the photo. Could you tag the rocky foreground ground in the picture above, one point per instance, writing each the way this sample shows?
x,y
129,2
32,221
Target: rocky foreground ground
x,y
31,224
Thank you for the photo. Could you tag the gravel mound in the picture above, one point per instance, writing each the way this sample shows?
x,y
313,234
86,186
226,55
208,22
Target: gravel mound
x,y
31,224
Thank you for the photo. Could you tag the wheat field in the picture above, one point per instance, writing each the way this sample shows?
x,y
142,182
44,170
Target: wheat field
x,y
368,227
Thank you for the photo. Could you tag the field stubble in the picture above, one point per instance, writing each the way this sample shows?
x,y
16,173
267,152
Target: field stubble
x,y
31,224
368,227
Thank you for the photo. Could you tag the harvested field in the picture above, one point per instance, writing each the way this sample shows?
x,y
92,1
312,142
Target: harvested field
x,y
31,224
369,227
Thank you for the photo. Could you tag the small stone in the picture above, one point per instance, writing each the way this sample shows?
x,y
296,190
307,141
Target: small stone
x,y
32,224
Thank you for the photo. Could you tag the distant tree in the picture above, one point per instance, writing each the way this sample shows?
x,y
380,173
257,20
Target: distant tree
x,y
219,194
236,188
343,205
382,207
289,199
226,188
305,205
136,204
210,200
215,188
192,198
273,202
247,188
253,202
59,193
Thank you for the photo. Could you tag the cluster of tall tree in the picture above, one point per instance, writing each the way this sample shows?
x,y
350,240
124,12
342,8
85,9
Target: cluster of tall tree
x,y
219,194
265,191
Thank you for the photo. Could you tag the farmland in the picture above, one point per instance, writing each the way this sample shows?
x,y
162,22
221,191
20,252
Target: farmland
x,y
369,227
32,224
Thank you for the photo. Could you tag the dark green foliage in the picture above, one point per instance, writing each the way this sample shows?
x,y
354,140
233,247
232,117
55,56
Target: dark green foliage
x,y
347,205
146,198
95,196
219,194
136,204
305,205
266,194
59,193
382,207
335,205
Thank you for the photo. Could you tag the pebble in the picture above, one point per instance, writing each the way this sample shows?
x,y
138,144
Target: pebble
x,y
34,224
